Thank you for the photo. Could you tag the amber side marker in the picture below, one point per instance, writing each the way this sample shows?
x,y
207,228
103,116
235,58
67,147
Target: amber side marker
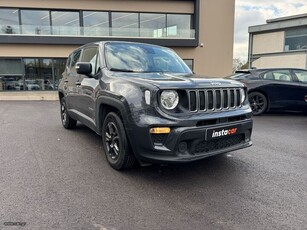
x,y
160,130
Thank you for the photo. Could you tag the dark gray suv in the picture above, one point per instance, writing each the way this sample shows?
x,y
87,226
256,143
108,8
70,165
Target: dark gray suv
x,y
148,106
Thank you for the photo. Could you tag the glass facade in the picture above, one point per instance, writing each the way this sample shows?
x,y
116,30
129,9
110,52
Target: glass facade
x,y
31,73
35,21
179,25
96,23
125,24
296,39
9,21
11,73
152,25
65,22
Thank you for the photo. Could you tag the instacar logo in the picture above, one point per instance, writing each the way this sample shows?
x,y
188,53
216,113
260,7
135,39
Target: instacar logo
x,y
224,132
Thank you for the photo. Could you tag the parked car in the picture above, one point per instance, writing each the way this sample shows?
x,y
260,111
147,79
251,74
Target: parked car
x,y
148,106
278,88
32,85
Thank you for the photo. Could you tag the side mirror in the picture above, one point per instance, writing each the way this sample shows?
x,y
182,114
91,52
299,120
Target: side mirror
x,y
84,68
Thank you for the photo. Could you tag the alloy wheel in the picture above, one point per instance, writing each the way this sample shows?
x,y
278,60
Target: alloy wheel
x,y
64,114
112,140
258,103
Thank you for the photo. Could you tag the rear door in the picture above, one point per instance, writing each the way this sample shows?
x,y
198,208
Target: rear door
x,y
69,79
301,76
282,88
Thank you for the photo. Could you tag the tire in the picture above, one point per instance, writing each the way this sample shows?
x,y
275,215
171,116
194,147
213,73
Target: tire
x,y
258,103
115,143
67,121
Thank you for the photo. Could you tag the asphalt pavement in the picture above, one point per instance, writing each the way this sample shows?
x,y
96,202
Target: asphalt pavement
x,y
52,178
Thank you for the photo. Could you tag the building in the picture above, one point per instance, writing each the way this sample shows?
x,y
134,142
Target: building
x,y
36,36
282,42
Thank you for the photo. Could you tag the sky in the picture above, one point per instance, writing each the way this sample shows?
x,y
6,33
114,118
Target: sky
x,y
256,12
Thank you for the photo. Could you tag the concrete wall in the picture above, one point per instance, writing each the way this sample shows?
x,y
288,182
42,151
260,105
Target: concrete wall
x,y
282,61
217,34
29,95
268,42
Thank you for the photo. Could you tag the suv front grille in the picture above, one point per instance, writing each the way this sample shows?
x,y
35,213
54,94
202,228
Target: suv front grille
x,y
214,99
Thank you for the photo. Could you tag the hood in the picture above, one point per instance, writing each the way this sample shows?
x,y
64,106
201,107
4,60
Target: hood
x,y
175,81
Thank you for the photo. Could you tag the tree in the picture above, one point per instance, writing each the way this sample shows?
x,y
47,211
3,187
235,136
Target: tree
x,y
238,64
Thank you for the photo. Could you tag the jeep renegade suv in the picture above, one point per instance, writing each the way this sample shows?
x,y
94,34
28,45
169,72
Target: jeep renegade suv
x,y
148,106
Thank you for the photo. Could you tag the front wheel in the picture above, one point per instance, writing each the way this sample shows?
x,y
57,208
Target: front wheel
x,y
67,121
115,143
258,102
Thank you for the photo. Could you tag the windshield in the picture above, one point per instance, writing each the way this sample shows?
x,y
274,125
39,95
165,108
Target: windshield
x,y
127,57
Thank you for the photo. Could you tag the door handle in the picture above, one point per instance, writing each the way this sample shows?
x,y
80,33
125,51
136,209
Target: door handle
x,y
65,81
78,83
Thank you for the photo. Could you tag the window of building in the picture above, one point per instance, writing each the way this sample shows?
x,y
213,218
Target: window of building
x,y
65,23
190,63
125,24
9,21
58,68
152,25
96,23
11,73
179,25
31,73
296,39
35,21
38,74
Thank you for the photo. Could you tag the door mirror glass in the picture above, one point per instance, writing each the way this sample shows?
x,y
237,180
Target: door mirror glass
x,y
84,68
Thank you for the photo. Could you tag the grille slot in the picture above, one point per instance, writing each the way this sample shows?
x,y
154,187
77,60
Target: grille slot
x,y
221,143
214,99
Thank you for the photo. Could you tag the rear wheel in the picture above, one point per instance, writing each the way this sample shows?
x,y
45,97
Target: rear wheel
x,y
258,102
115,143
67,121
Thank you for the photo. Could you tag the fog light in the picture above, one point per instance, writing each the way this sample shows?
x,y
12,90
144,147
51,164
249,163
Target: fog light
x,y
160,130
182,147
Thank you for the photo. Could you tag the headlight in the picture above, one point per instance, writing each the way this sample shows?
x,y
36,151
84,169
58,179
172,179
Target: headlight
x,y
242,92
169,99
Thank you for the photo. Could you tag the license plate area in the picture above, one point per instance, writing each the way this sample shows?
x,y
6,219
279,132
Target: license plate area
x,y
220,132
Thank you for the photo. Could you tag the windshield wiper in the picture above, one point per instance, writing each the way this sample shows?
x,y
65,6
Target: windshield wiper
x,y
122,70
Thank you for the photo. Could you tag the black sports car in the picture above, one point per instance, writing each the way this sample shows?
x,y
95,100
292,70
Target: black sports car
x,y
280,88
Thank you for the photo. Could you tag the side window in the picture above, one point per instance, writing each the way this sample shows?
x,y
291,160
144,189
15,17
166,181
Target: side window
x,y
67,68
301,75
268,76
277,75
74,59
282,75
90,55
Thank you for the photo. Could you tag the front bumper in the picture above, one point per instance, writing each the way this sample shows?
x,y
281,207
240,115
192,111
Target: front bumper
x,y
189,143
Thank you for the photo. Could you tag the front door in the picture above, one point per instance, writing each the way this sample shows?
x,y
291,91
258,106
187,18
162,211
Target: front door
x,y
87,84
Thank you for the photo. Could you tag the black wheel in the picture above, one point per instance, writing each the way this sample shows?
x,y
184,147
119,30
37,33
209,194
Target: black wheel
x,y
115,143
67,121
258,102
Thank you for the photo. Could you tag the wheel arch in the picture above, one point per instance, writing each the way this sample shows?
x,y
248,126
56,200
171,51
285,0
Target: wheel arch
x,y
61,95
106,105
